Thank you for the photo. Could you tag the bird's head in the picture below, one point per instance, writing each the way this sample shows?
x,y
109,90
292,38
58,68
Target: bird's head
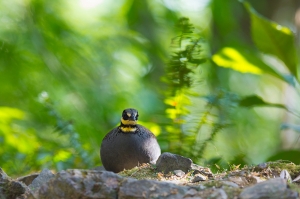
x,y
129,120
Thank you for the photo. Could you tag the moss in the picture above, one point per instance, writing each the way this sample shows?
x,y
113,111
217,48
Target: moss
x,y
148,172
265,171
292,168
143,172
11,189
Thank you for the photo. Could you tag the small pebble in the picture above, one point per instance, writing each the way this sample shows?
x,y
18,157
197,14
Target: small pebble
x,y
231,184
255,179
262,166
179,173
196,172
284,174
199,177
297,179
241,181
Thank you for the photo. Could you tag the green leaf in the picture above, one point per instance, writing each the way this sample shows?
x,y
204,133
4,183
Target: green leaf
x,y
271,38
254,100
232,58
246,62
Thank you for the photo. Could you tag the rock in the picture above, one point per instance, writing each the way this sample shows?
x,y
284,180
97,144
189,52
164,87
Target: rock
x,y
136,189
197,167
241,181
202,170
261,166
42,178
3,175
12,189
99,168
190,193
284,174
169,162
77,184
211,193
218,194
198,177
230,184
28,179
275,188
179,173
297,179
196,172
255,179
96,184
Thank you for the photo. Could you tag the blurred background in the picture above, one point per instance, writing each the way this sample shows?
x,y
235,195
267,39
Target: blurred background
x,y
69,68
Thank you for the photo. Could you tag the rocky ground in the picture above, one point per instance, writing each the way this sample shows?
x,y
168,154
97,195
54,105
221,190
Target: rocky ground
x,y
172,177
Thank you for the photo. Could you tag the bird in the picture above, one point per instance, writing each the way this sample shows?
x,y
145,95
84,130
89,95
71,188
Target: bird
x,y
128,145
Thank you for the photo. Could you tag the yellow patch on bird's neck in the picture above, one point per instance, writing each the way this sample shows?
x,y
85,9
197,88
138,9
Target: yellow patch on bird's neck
x,y
127,129
128,122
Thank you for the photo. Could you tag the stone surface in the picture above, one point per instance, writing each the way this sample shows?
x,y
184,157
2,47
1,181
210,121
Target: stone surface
x,y
218,194
133,189
95,184
28,179
179,173
197,167
241,181
202,170
198,177
284,174
99,168
255,179
168,162
261,166
10,188
274,188
211,193
77,184
3,175
230,184
42,178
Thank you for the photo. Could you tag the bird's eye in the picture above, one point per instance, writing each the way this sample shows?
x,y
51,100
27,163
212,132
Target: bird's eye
x,y
137,116
124,115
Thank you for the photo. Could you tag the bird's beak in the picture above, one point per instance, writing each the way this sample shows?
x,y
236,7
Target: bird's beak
x,y
131,118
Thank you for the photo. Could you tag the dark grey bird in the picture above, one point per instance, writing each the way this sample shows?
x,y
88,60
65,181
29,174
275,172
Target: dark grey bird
x,y
129,144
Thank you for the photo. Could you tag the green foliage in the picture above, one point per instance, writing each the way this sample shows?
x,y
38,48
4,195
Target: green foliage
x,y
247,62
222,102
185,59
183,63
251,101
270,38
74,152
96,61
194,143
238,60
273,39
186,56
16,152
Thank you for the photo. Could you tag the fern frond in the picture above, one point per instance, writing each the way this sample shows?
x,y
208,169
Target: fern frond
x,y
65,127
